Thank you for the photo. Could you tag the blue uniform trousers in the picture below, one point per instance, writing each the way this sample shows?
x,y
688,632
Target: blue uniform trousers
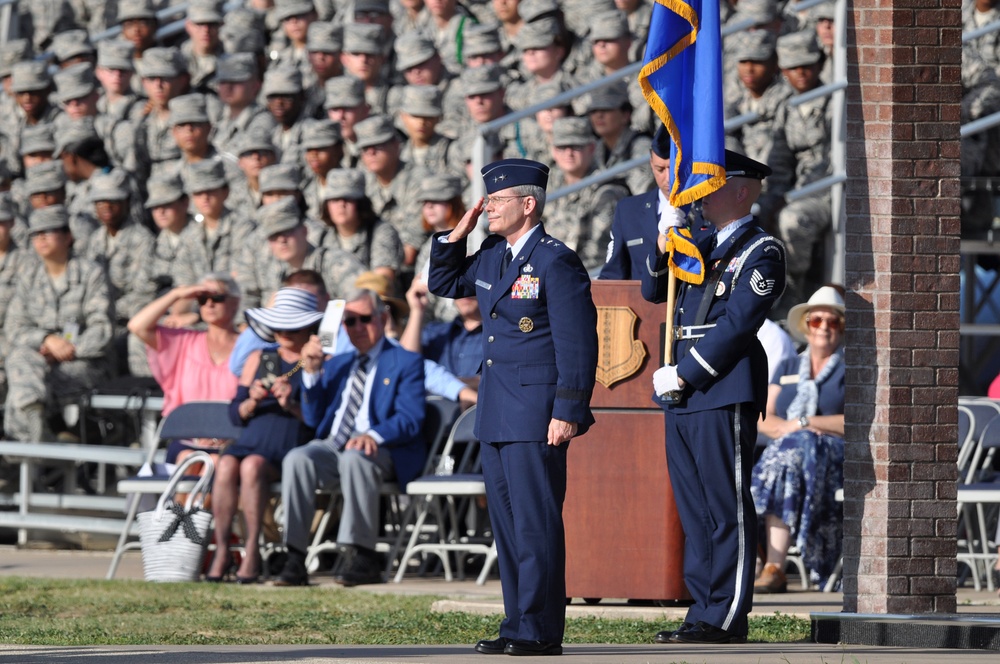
x,y
525,489
710,456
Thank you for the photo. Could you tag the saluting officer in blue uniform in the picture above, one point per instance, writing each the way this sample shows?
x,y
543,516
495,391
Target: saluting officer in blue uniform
x,y
712,397
538,372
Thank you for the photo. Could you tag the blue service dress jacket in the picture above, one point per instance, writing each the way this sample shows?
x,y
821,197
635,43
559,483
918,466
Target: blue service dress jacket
x,y
539,333
634,232
395,408
723,363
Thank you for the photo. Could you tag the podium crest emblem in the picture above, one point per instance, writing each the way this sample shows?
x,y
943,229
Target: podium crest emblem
x,y
619,353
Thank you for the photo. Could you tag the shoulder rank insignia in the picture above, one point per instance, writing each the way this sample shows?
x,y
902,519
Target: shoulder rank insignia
x,y
760,285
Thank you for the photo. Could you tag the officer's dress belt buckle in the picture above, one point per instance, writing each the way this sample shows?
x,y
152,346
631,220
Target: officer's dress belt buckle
x,y
691,331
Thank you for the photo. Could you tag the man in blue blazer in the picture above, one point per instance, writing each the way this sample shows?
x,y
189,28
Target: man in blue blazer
x,y
368,412
712,396
538,372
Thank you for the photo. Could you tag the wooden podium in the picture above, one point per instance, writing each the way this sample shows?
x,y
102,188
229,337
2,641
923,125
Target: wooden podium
x,y
623,535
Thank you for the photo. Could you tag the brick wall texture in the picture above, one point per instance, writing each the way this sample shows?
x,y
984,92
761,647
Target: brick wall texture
x,y
902,343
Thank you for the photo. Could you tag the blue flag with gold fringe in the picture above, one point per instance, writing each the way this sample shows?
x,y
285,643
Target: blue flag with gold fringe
x,y
681,79
685,259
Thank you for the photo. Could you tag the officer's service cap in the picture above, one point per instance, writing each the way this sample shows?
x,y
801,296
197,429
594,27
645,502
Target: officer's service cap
x,y
740,165
78,137
188,109
508,173
115,54
538,34
255,140
205,175
283,80
481,40
129,10
756,46
363,38
71,44
44,178
235,68
318,134
14,51
37,138
110,186
279,177
374,130
609,98
572,131
344,92
285,9
74,82
205,12
609,26
279,216
6,206
29,77
163,190
533,10
347,183
480,80
422,101
439,188
162,62
798,49
51,218
661,143
324,37
412,49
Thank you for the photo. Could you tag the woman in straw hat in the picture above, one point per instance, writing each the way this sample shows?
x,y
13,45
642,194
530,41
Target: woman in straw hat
x,y
267,404
796,478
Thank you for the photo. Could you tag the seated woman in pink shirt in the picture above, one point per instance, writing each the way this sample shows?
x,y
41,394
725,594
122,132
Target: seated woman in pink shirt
x,y
192,365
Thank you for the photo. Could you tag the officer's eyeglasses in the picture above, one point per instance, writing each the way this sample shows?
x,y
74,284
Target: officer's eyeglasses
x,y
834,324
500,200
351,321
218,298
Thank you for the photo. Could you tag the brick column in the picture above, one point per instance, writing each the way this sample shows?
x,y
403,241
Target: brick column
x,y
902,343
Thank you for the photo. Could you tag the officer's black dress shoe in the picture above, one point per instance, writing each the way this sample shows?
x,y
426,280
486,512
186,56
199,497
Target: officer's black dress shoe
x,y
293,573
365,568
523,648
492,646
667,636
702,632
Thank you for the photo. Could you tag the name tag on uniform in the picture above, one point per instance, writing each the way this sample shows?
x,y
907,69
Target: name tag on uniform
x,y
790,379
634,243
483,284
525,288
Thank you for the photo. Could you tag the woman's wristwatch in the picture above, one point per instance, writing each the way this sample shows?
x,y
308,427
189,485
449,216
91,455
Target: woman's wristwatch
x,y
803,422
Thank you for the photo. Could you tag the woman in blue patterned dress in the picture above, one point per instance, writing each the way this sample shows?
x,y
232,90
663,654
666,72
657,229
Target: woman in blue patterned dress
x,y
795,481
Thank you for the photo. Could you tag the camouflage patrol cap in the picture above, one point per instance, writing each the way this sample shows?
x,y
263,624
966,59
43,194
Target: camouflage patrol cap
x,y
76,133
51,218
375,6
537,34
162,62
74,82
548,90
437,187
825,10
412,49
572,131
6,206
480,80
240,40
205,11
110,186
344,92
422,101
135,9
163,190
324,37
344,183
318,134
14,51
188,109
205,175
45,177
755,46
235,68
37,138
798,49
609,98
115,54
30,77
286,9
283,80
255,140
363,38
279,177
481,40
374,130
71,44
279,216
532,10
609,26
759,12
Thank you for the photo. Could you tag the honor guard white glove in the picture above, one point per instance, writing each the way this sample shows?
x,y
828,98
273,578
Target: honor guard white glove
x,y
665,380
670,216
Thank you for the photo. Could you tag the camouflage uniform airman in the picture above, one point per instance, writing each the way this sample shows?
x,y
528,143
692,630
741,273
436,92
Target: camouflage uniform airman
x,y
12,263
239,67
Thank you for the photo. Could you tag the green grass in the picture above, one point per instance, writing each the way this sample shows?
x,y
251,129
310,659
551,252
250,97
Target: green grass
x,y
69,613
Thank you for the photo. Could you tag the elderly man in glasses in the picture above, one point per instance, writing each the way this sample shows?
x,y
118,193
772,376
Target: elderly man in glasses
x,y
540,359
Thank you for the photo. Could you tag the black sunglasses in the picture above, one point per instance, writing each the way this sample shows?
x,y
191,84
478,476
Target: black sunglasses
x,y
218,298
351,321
